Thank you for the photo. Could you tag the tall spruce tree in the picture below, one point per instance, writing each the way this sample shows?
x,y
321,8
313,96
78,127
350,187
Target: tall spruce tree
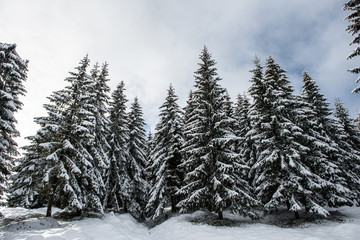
x,y
246,147
325,157
99,101
353,29
188,111
189,108
210,180
149,148
187,118
315,158
229,111
348,124
166,157
279,174
117,178
257,91
82,125
47,172
67,171
348,139
137,161
13,73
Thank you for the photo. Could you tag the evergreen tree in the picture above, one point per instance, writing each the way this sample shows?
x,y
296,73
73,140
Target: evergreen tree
x,y
68,173
348,124
188,112
149,148
257,91
228,105
348,138
279,174
245,147
357,120
189,108
229,111
117,178
13,73
82,125
211,181
137,161
166,157
31,185
325,156
48,171
150,144
99,101
353,29
187,119
25,186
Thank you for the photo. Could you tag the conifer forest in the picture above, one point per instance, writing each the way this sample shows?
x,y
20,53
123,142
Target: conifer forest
x,y
269,147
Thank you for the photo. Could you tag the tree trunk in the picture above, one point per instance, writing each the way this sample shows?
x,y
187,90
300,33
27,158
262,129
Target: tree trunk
x,y
78,212
220,213
173,204
50,203
307,208
297,216
125,207
288,204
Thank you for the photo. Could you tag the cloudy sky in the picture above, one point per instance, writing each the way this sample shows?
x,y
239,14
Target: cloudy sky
x,y
150,44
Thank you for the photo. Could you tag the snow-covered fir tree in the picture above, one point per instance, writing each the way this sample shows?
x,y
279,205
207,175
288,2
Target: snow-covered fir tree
x,y
149,144
81,121
348,139
325,156
279,175
348,124
31,173
256,90
315,158
117,179
228,105
229,111
68,173
189,108
188,139
27,180
353,29
245,147
99,101
211,181
187,118
137,161
13,73
166,157
357,120
149,147
47,172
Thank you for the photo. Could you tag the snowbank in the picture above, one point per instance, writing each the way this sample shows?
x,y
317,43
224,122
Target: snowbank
x,y
123,226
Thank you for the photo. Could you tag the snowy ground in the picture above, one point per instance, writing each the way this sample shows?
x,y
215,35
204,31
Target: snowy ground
x,y
21,223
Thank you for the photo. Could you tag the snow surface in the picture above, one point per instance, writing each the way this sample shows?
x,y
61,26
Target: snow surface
x,y
26,224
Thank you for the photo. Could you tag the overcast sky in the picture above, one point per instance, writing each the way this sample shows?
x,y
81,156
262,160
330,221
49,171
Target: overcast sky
x,y
150,44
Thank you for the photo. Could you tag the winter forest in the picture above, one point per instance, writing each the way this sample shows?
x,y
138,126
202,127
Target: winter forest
x,y
268,148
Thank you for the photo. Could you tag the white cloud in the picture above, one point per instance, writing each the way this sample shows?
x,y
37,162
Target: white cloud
x,y
150,44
